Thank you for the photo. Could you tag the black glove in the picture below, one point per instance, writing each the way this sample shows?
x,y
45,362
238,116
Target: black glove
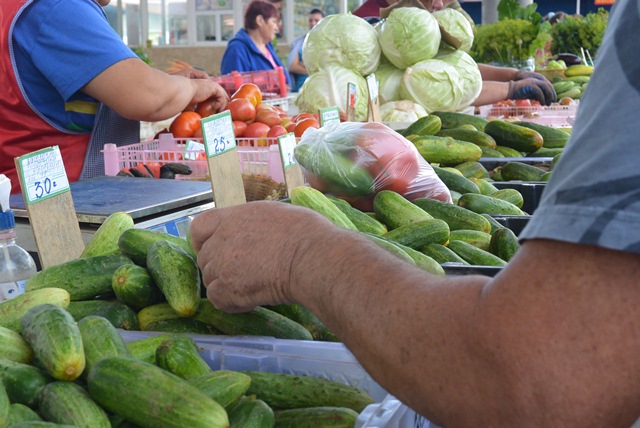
x,y
532,89
524,74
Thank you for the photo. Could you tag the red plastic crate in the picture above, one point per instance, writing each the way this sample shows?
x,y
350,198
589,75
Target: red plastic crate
x,y
272,83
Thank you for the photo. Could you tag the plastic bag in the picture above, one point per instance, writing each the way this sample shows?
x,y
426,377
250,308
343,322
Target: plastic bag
x,y
356,160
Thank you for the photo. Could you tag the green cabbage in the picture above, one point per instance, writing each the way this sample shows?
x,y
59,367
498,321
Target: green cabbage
x,y
389,77
469,74
328,88
434,84
409,35
401,111
457,25
342,39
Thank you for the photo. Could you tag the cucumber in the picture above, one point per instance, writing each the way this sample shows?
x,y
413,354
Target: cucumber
x,y
287,391
133,285
552,137
455,216
41,424
504,244
488,152
316,417
472,170
476,137
69,403
455,120
486,188
177,276
521,171
118,314
158,312
257,322
456,182
136,242
306,318
12,311
426,125
446,151
21,413
340,173
510,195
14,347
391,247
56,340
417,235
495,224
105,240
100,339
394,210
508,152
5,406
154,397
182,325
315,200
443,254
23,382
224,386
483,204
362,221
423,261
473,237
251,413
179,355
544,152
145,349
517,137
474,255
83,278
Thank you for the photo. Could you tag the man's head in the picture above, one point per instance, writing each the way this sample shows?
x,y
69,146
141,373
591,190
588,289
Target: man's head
x,y
314,17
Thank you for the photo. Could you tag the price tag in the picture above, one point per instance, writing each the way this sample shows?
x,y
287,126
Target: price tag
x,y
374,105
351,102
217,131
372,84
43,174
287,145
331,114
192,149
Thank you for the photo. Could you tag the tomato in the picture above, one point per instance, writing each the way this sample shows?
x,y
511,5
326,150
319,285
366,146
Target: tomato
x,y
275,132
303,125
298,117
397,172
206,108
242,109
185,124
523,103
239,127
268,117
250,92
258,130
198,133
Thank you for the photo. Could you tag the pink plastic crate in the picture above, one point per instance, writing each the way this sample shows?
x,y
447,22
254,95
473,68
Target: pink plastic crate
x,y
253,158
272,83
553,115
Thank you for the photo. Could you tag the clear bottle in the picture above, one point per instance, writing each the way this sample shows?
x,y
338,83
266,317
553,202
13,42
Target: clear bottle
x,y
16,264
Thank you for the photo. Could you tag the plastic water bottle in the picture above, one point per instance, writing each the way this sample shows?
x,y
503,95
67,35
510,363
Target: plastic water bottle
x,y
16,264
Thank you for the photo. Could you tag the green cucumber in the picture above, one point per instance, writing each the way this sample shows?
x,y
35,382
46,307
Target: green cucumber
x,y
316,417
105,240
544,152
446,151
394,210
514,136
23,382
488,152
224,386
417,235
100,339
426,125
455,216
456,182
315,200
12,311
473,237
251,413
118,314
306,318
391,247
5,406
136,242
182,325
476,137
495,224
486,188
69,403
504,244
443,254
423,261
474,255
521,171
552,137
472,170
133,285
14,347
145,349
483,204
508,152
179,355
455,120
362,221
510,195
21,413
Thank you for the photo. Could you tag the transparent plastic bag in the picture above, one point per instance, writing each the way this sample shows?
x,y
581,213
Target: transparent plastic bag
x,y
356,160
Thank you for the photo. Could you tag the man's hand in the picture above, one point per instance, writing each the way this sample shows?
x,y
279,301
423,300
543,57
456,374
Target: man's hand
x,y
524,74
532,89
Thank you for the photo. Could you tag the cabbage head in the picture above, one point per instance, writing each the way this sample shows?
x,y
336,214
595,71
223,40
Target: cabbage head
x,y
469,74
457,25
328,88
401,111
343,39
409,35
389,77
434,84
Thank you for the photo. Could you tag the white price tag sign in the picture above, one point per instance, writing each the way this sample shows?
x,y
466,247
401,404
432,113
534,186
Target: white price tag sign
x,y
217,131
372,84
287,145
331,114
43,174
192,149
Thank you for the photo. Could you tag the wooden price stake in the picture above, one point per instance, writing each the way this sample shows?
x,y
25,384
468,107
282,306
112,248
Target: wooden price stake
x,y
374,102
223,161
351,102
52,215
331,114
292,173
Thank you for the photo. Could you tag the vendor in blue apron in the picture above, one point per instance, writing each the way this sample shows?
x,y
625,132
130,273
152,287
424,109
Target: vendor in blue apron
x,y
68,80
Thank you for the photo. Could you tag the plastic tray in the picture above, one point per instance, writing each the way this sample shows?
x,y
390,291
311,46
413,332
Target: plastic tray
x,y
272,83
253,158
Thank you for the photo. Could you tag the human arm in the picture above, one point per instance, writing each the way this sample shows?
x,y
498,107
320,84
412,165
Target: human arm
x,y
148,94
297,66
522,349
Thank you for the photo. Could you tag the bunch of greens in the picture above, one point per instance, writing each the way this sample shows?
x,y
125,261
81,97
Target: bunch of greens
x,y
574,32
515,37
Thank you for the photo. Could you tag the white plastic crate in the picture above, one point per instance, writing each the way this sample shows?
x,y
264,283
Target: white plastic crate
x,y
554,115
253,158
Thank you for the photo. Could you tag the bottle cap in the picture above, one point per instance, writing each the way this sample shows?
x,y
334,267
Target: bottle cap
x,y
7,220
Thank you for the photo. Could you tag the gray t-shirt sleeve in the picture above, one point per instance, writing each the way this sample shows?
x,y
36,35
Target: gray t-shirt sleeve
x,y
593,196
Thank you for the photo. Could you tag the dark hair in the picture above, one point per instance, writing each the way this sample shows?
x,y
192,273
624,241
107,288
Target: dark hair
x,y
259,8
316,10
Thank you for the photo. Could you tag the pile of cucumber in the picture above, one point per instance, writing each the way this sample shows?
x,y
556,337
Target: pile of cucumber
x,y
56,372
575,81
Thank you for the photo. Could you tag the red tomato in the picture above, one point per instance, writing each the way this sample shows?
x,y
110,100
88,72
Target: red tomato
x,y
206,108
239,128
242,109
275,132
397,172
523,103
185,124
303,125
258,130
268,117
250,92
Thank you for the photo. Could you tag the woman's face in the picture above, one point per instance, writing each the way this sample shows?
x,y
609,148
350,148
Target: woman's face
x,y
268,27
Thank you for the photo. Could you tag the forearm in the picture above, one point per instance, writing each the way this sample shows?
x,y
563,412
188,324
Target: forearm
x,y
499,74
492,92
297,67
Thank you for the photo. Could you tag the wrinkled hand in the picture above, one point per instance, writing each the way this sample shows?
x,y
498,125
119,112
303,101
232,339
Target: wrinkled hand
x,y
191,73
532,89
524,74
207,89
248,262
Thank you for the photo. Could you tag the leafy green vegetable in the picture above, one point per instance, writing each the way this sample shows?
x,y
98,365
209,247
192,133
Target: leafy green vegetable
x,y
572,33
